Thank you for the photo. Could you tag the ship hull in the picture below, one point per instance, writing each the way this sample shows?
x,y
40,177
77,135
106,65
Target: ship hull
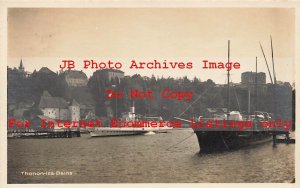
x,y
126,131
115,132
219,141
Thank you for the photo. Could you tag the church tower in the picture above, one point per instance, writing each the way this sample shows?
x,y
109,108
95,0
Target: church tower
x,y
21,67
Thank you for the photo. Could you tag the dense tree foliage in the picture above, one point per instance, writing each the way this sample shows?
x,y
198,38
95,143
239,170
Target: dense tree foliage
x,y
206,94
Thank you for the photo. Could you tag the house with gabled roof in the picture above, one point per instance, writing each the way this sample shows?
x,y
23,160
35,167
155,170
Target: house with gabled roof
x,y
59,108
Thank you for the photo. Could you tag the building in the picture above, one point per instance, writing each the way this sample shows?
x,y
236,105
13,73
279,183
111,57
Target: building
x,y
21,68
59,108
249,78
74,110
17,72
46,70
112,75
75,78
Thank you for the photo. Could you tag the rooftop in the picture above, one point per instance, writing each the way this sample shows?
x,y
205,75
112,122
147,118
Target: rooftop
x,y
47,101
75,74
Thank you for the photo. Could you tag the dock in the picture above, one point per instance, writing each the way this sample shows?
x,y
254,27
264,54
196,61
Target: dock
x,y
283,137
44,134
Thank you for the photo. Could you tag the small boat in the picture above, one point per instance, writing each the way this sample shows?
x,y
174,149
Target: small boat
x,y
122,128
108,131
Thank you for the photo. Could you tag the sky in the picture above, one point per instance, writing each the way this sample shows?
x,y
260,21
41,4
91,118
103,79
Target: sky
x,y
46,36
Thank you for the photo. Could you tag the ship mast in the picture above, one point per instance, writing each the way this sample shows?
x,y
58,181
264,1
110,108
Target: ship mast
x,y
228,84
255,98
273,61
275,82
266,62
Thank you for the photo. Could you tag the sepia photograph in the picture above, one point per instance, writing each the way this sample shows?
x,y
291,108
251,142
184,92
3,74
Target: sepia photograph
x,y
118,95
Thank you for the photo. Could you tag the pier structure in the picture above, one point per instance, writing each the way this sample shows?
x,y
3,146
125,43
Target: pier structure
x,y
67,133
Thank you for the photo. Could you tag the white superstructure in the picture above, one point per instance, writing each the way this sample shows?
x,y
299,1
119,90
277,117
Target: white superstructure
x,y
131,117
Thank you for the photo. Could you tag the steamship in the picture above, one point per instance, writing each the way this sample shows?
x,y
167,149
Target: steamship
x,y
218,139
131,118
233,139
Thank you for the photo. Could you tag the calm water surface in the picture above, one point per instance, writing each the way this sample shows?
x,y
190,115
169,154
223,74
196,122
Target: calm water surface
x,y
145,159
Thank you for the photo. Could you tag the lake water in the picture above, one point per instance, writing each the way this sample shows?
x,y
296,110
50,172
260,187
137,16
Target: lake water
x,y
144,159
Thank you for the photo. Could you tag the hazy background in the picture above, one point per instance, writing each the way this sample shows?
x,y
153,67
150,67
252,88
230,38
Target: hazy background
x,y
45,36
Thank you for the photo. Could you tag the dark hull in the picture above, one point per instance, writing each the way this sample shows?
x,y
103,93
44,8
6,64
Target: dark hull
x,y
218,141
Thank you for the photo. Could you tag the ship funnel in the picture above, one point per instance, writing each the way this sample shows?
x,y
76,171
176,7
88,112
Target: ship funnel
x,y
132,109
